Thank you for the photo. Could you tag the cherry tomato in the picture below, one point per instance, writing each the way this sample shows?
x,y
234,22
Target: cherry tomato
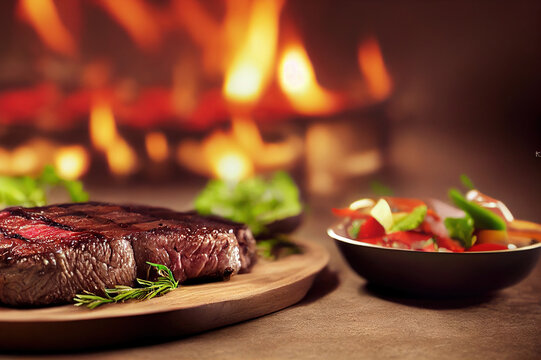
x,y
371,228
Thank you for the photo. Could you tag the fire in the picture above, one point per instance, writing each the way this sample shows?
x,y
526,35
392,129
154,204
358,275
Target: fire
x,y
25,160
30,157
242,46
136,18
121,158
236,154
265,156
298,81
246,132
203,30
105,137
374,70
227,158
233,167
102,127
42,15
71,162
157,146
251,68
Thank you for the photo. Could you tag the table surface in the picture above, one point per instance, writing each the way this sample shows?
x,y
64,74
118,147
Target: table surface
x,y
341,317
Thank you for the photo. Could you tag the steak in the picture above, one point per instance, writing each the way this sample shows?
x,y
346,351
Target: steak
x,y
49,254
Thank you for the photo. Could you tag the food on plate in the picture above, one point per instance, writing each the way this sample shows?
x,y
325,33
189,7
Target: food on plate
x,y
266,206
270,208
49,254
482,224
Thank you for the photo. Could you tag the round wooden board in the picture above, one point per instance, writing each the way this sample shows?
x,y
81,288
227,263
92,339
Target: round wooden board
x,y
270,286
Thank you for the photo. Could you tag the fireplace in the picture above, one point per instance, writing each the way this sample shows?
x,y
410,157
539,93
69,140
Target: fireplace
x,y
136,91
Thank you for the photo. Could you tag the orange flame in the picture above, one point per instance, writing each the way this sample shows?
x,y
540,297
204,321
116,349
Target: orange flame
x,y
71,162
251,68
157,147
204,31
226,158
237,154
28,158
298,81
121,157
102,127
43,16
137,19
25,159
374,70
233,156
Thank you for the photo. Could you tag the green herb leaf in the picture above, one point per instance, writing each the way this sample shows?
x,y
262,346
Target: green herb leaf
x,y
410,221
27,191
461,229
466,181
254,201
482,218
75,190
21,191
120,293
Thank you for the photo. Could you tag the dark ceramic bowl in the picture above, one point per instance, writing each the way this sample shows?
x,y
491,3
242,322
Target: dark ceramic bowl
x,y
437,273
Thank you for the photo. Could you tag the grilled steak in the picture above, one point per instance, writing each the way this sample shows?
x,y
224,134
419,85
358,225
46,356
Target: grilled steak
x,y
49,254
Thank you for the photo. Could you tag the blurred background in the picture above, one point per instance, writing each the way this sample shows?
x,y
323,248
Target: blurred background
x,y
161,95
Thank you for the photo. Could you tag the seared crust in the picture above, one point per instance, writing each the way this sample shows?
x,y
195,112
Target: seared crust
x,y
49,254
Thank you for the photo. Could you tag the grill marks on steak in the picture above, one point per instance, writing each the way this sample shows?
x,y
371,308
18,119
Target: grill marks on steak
x,y
49,254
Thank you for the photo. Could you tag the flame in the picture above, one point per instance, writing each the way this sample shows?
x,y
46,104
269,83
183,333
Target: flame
x,y
232,166
251,68
204,31
28,158
157,146
237,154
71,162
226,158
25,160
43,16
234,28
246,132
298,81
373,68
137,19
121,157
102,127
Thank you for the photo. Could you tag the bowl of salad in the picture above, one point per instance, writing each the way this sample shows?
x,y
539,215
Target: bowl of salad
x,y
431,248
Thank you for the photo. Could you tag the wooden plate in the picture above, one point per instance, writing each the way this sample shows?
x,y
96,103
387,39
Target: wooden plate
x,y
270,286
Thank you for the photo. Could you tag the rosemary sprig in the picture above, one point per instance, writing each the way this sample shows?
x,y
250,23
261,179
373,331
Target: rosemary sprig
x,y
149,289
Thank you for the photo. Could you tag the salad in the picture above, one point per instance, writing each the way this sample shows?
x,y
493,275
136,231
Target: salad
x,y
482,224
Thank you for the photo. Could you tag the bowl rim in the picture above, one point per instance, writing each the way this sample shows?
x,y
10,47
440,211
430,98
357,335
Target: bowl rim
x,y
331,233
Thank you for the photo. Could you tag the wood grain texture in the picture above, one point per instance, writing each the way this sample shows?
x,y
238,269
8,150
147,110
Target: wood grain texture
x,y
270,286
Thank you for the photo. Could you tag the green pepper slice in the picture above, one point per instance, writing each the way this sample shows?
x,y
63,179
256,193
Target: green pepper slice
x,y
482,218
